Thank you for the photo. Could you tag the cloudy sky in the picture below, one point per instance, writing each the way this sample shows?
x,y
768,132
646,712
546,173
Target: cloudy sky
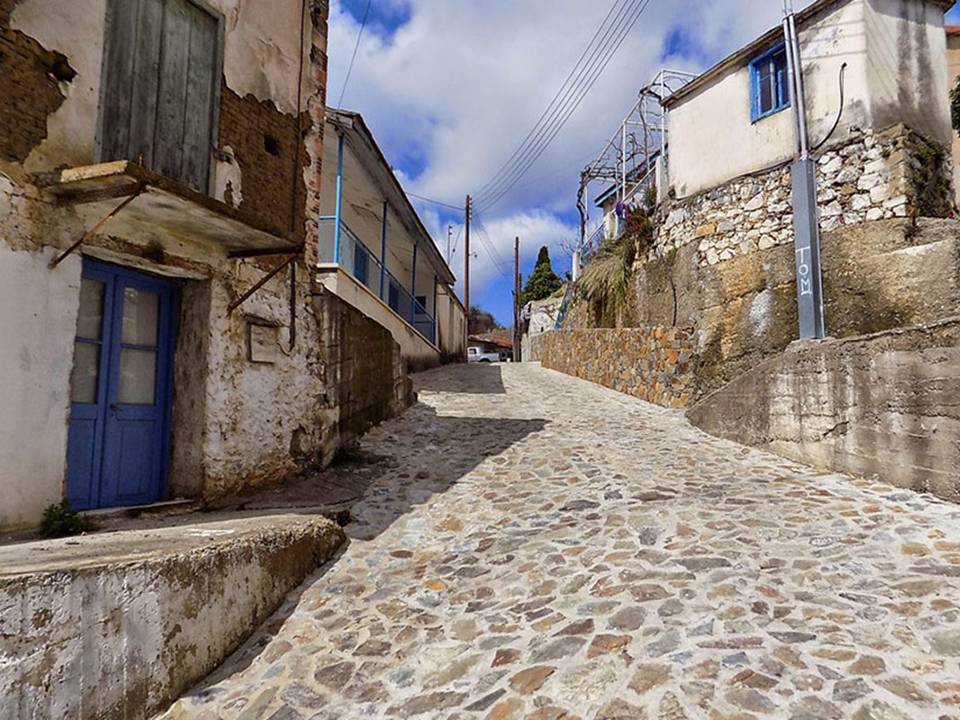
x,y
450,88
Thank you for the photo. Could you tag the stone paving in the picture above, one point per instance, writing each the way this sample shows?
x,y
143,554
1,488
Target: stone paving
x,y
546,549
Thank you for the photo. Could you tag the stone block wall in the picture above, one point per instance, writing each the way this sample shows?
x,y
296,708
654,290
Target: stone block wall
x,y
366,375
877,175
885,404
656,364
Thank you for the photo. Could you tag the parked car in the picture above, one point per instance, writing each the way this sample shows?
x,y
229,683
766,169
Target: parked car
x,y
475,356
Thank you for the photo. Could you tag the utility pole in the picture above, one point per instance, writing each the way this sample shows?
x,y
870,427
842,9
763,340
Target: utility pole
x,y
806,210
466,271
449,243
516,301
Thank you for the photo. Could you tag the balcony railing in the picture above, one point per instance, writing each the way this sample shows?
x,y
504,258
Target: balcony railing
x,y
365,266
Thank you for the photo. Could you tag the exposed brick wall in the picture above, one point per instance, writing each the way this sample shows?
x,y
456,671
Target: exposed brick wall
x,y
6,9
29,93
264,141
654,364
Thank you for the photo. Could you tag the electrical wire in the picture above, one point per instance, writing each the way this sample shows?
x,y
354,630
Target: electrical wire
x,y
580,73
356,47
836,123
571,100
536,152
434,202
555,98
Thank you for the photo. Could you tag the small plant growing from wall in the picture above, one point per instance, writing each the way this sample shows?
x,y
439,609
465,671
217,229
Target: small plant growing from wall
x,y
61,521
607,281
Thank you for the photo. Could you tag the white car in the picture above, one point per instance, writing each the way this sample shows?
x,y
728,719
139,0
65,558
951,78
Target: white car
x,y
475,356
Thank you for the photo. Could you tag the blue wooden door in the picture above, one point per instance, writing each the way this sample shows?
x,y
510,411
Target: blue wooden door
x,y
121,387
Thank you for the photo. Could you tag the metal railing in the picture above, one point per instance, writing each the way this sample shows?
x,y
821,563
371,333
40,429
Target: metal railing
x,y
358,260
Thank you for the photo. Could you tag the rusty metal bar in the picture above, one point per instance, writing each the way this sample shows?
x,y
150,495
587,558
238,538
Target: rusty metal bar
x,y
293,306
263,281
93,231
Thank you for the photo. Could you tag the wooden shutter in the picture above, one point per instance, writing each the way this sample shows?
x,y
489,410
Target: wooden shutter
x,y
160,83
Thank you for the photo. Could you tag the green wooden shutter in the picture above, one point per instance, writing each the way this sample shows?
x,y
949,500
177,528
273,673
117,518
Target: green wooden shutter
x,y
160,80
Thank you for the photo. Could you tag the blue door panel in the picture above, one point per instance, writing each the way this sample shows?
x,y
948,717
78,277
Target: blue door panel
x,y
81,462
117,452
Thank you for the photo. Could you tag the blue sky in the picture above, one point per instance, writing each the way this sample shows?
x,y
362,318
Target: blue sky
x,y
451,87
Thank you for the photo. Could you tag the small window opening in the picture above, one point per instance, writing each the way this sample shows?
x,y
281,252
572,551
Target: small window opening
x,y
271,145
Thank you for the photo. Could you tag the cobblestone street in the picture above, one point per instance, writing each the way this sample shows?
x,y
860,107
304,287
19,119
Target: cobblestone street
x,y
542,549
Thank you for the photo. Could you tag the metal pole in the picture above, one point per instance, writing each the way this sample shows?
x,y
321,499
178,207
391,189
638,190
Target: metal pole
x,y
623,155
516,300
466,272
413,289
338,213
383,251
806,210
449,242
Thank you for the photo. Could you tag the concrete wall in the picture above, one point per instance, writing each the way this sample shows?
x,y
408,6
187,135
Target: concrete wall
x,y
885,404
117,626
654,364
895,55
237,422
452,326
877,276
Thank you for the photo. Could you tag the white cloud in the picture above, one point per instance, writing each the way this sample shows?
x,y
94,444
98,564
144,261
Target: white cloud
x,y
459,86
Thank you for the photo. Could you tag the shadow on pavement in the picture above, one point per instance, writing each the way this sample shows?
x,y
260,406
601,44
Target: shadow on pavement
x,y
435,453
466,378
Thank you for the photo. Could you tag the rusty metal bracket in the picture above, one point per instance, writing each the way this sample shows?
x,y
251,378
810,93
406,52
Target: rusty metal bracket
x,y
93,231
263,281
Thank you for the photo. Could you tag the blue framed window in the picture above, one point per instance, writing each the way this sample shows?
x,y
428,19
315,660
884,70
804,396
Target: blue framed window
x,y
769,84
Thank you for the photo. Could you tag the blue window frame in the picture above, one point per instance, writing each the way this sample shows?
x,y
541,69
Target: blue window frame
x,y
769,86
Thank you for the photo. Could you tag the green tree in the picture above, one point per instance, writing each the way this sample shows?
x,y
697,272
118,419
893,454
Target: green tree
x,y
481,322
543,281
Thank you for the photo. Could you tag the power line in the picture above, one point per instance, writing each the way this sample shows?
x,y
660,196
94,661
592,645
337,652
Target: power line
x,y
576,96
553,101
571,99
356,47
434,202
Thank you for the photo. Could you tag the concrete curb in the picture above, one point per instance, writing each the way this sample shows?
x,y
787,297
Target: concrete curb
x,y
124,638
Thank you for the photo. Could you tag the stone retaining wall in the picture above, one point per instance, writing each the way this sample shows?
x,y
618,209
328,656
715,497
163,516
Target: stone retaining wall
x,y
876,176
885,404
654,364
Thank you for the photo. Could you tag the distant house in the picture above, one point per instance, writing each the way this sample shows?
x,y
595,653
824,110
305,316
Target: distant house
x,y
375,252
493,343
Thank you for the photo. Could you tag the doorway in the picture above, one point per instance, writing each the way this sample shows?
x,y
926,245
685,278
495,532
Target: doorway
x,y
121,388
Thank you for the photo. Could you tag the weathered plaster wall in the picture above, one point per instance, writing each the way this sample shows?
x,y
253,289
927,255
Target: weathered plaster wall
x,y
885,404
114,628
895,55
877,276
706,154
452,326
38,316
653,363
906,66
237,422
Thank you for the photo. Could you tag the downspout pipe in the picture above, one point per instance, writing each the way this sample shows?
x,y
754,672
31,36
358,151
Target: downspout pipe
x,y
339,206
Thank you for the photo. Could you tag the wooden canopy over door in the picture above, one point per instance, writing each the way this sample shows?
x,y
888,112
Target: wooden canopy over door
x,y
158,106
